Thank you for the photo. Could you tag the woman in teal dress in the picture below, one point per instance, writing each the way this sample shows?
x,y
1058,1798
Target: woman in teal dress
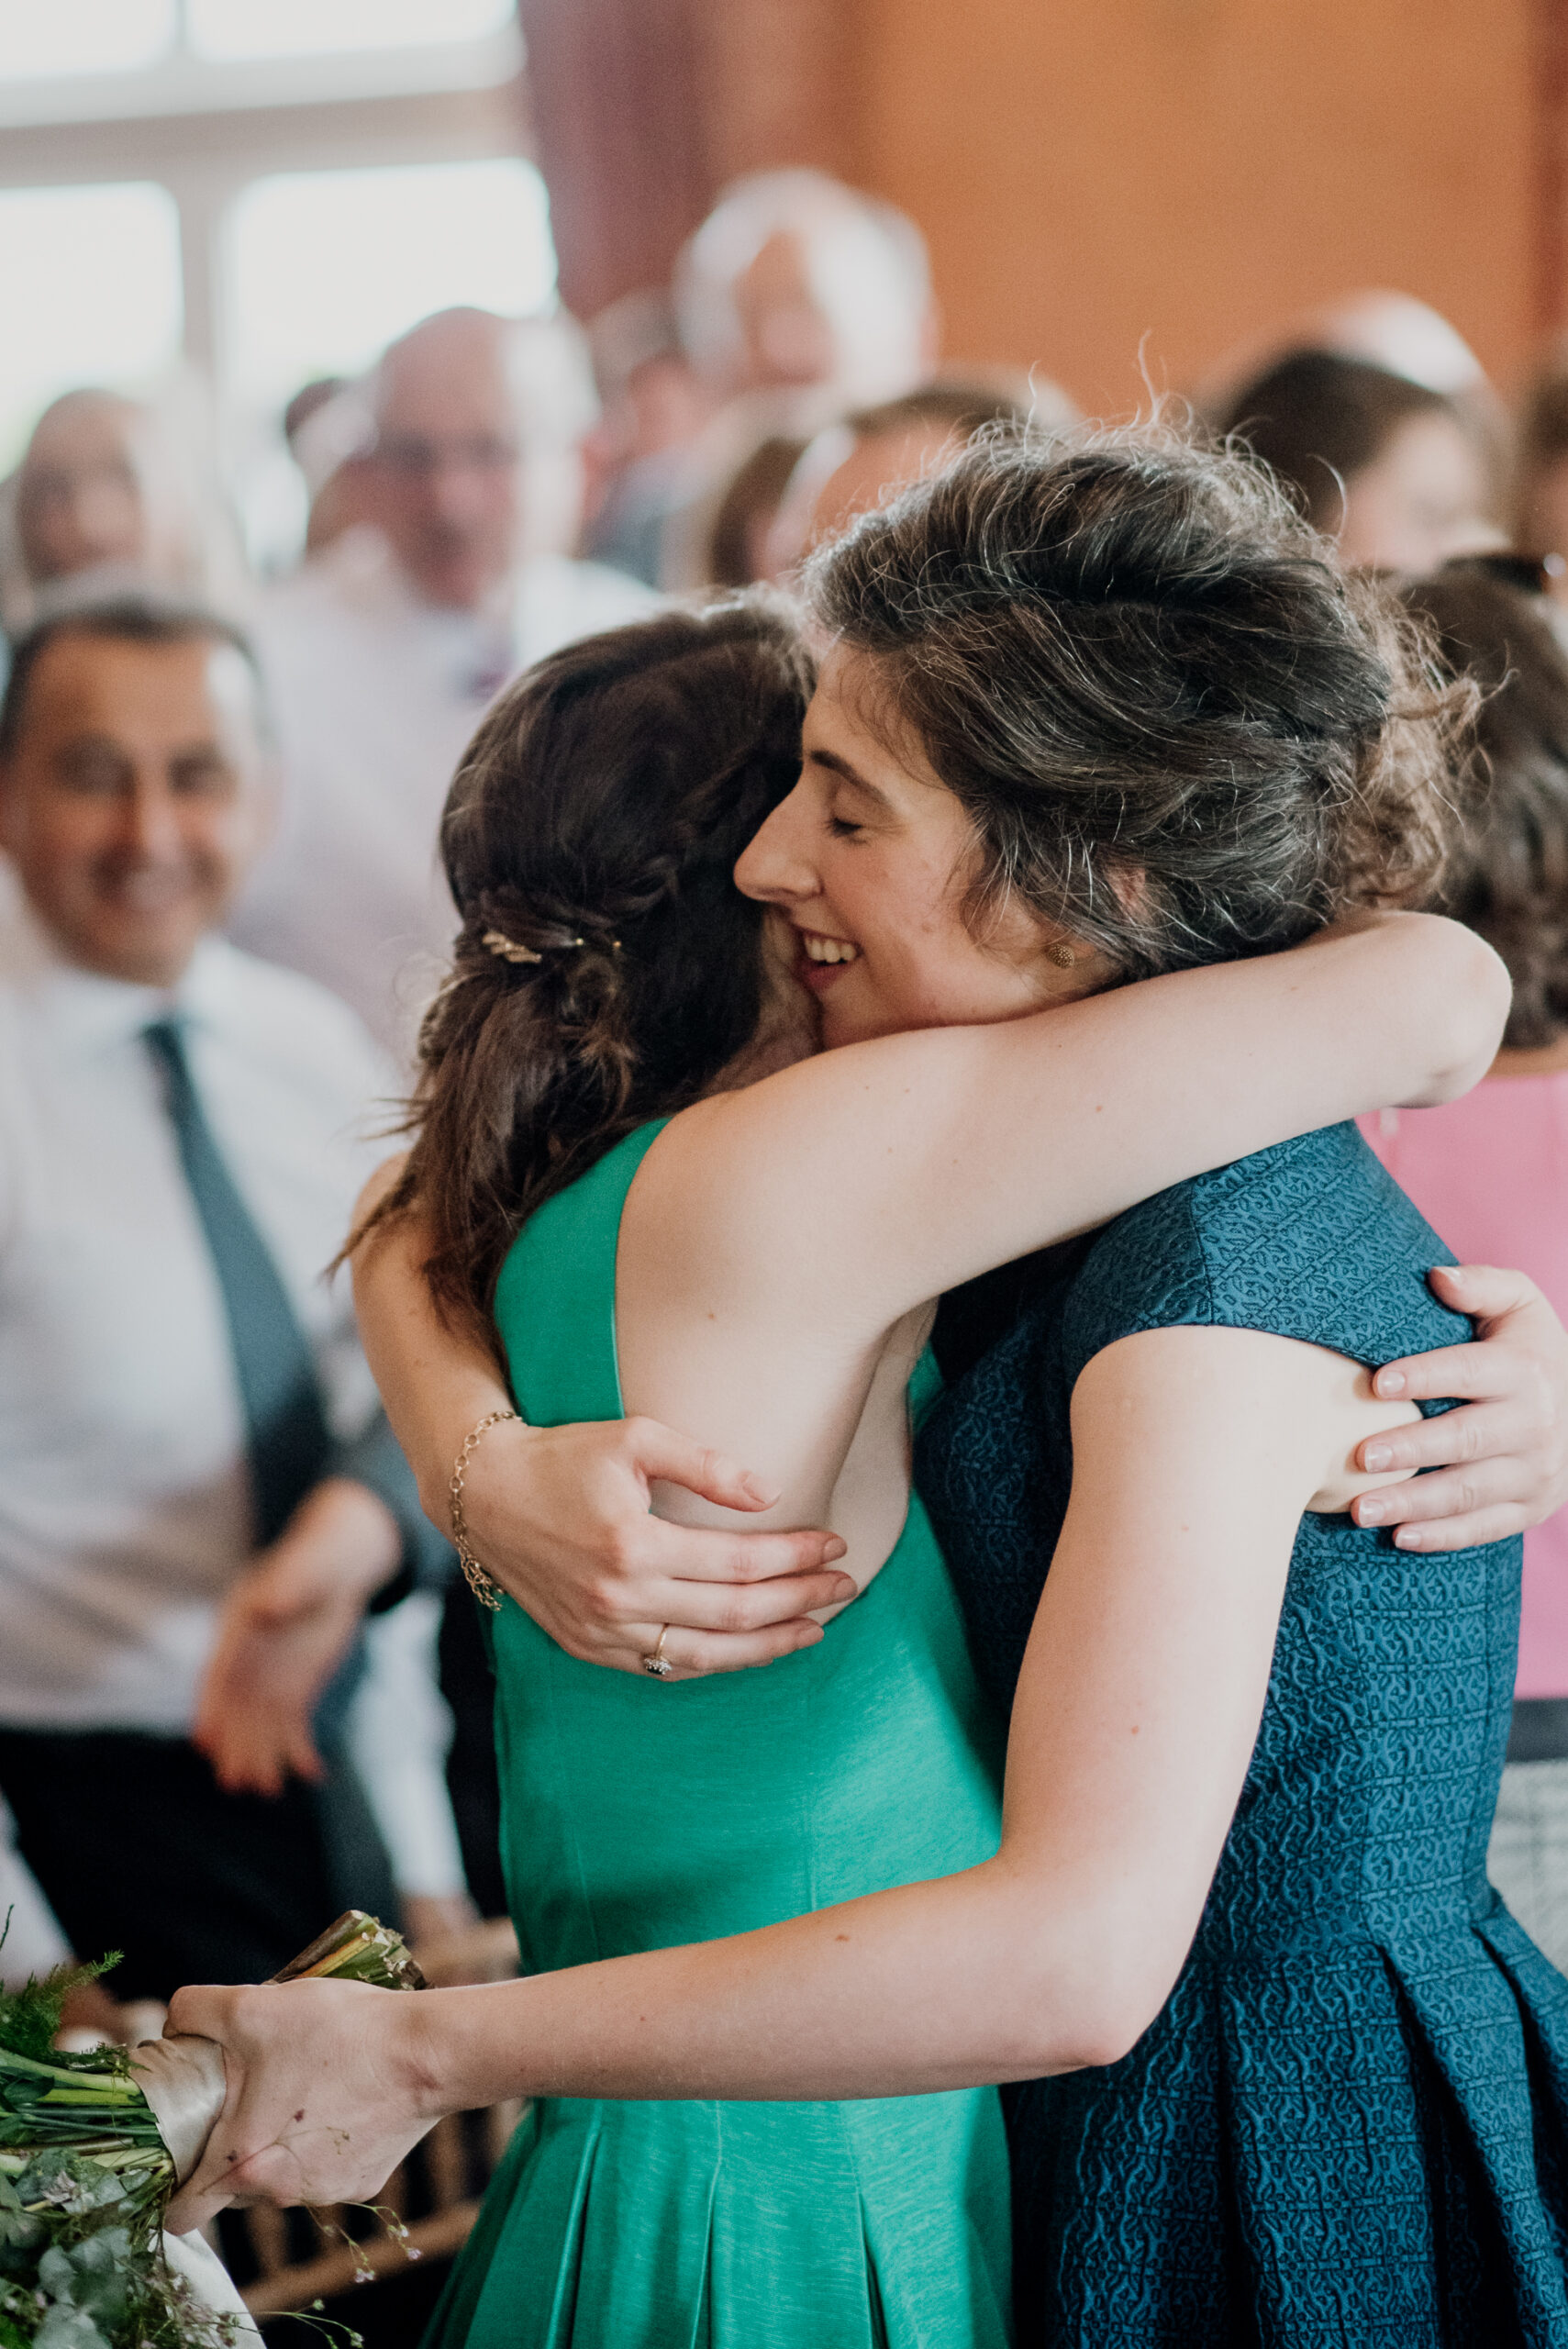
x,y
762,1267
628,1824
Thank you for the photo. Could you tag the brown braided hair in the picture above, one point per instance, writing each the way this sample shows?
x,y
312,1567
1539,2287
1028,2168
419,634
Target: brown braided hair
x,y
594,823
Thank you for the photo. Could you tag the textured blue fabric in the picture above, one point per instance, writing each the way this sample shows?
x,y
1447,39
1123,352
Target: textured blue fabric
x,y
1349,2123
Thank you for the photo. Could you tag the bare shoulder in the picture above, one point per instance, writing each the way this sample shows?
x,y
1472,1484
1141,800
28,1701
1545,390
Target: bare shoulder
x,y
388,1175
773,1189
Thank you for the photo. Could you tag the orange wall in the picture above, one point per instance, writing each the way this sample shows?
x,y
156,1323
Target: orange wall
x,y
1091,172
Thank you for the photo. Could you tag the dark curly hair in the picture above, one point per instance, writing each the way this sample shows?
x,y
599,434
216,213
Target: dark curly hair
x,y
1182,731
593,824
1508,875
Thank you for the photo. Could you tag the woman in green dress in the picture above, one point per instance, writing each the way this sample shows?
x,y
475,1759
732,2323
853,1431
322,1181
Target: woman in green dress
x,y
611,993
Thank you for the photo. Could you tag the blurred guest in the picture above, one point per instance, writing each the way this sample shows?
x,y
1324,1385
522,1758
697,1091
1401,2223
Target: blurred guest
x,y
382,655
110,490
798,297
1490,1172
796,282
334,479
309,401
198,1495
1541,490
739,542
851,467
655,407
1379,461
1397,332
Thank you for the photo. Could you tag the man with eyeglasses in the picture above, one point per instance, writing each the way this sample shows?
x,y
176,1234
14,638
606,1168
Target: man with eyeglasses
x,y
383,653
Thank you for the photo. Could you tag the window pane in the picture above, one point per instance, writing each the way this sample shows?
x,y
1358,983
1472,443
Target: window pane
x,y
89,291
293,28
40,36
326,267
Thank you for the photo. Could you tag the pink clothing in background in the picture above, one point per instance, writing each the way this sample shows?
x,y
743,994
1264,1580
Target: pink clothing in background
x,y
1490,1175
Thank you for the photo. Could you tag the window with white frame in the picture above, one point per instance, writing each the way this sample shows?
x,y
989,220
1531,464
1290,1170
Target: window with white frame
x,y
90,291
207,246
146,41
71,37
250,28
322,269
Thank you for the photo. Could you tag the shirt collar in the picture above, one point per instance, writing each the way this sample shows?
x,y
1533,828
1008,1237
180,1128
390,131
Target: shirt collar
x,y
88,1013
475,651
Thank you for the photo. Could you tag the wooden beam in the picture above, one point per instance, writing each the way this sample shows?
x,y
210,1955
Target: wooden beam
x,y
1550,273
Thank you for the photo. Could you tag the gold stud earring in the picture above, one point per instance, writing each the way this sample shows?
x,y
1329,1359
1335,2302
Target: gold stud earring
x,y
1062,955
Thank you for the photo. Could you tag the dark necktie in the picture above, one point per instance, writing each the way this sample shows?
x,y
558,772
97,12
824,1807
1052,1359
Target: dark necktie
x,y
285,1423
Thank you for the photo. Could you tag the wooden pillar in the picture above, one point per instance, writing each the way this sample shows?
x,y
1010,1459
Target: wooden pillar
x,y
620,136
642,109
1550,273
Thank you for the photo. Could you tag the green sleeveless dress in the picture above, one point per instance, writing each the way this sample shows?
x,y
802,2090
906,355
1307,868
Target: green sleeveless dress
x,y
638,1814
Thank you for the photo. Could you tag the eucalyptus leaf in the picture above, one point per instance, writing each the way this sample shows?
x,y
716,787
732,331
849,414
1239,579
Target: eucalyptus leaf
x,y
21,2229
100,2274
64,2327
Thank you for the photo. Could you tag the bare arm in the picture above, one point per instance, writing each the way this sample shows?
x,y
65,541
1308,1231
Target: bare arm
x,y
1135,1719
853,1187
561,1517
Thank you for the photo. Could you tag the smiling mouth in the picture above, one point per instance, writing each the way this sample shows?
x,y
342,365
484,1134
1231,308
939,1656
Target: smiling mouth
x,y
822,961
825,952
145,894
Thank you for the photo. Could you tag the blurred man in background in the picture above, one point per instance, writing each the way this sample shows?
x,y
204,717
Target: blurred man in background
x,y
382,656
198,1493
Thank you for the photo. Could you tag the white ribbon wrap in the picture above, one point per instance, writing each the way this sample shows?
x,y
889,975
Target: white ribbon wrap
x,y
185,2082
193,2257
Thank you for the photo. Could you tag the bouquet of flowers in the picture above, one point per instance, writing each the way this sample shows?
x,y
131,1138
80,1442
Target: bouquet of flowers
x,y
92,2146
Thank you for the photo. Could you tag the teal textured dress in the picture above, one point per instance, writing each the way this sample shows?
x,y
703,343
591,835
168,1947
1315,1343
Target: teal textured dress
x,y
638,1814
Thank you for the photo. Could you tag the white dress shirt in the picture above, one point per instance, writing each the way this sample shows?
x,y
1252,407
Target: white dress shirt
x,y
124,1500
375,694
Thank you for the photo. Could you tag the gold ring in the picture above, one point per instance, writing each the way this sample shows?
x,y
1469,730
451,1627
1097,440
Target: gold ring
x,y
658,1664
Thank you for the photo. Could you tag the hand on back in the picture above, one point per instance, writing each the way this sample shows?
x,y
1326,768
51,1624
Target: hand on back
x,y
1502,1458
560,1517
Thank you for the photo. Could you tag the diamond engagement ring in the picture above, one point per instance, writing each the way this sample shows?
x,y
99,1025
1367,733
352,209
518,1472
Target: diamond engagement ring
x,y
658,1664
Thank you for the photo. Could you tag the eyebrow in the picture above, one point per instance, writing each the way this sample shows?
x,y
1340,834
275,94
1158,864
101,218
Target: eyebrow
x,y
836,765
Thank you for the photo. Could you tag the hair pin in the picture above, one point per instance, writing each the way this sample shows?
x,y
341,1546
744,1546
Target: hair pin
x,y
497,941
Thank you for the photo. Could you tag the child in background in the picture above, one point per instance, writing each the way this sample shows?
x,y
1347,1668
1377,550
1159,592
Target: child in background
x,y
1490,1172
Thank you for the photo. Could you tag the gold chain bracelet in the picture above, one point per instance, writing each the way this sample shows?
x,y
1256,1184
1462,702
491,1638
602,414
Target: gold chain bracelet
x,y
487,1592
